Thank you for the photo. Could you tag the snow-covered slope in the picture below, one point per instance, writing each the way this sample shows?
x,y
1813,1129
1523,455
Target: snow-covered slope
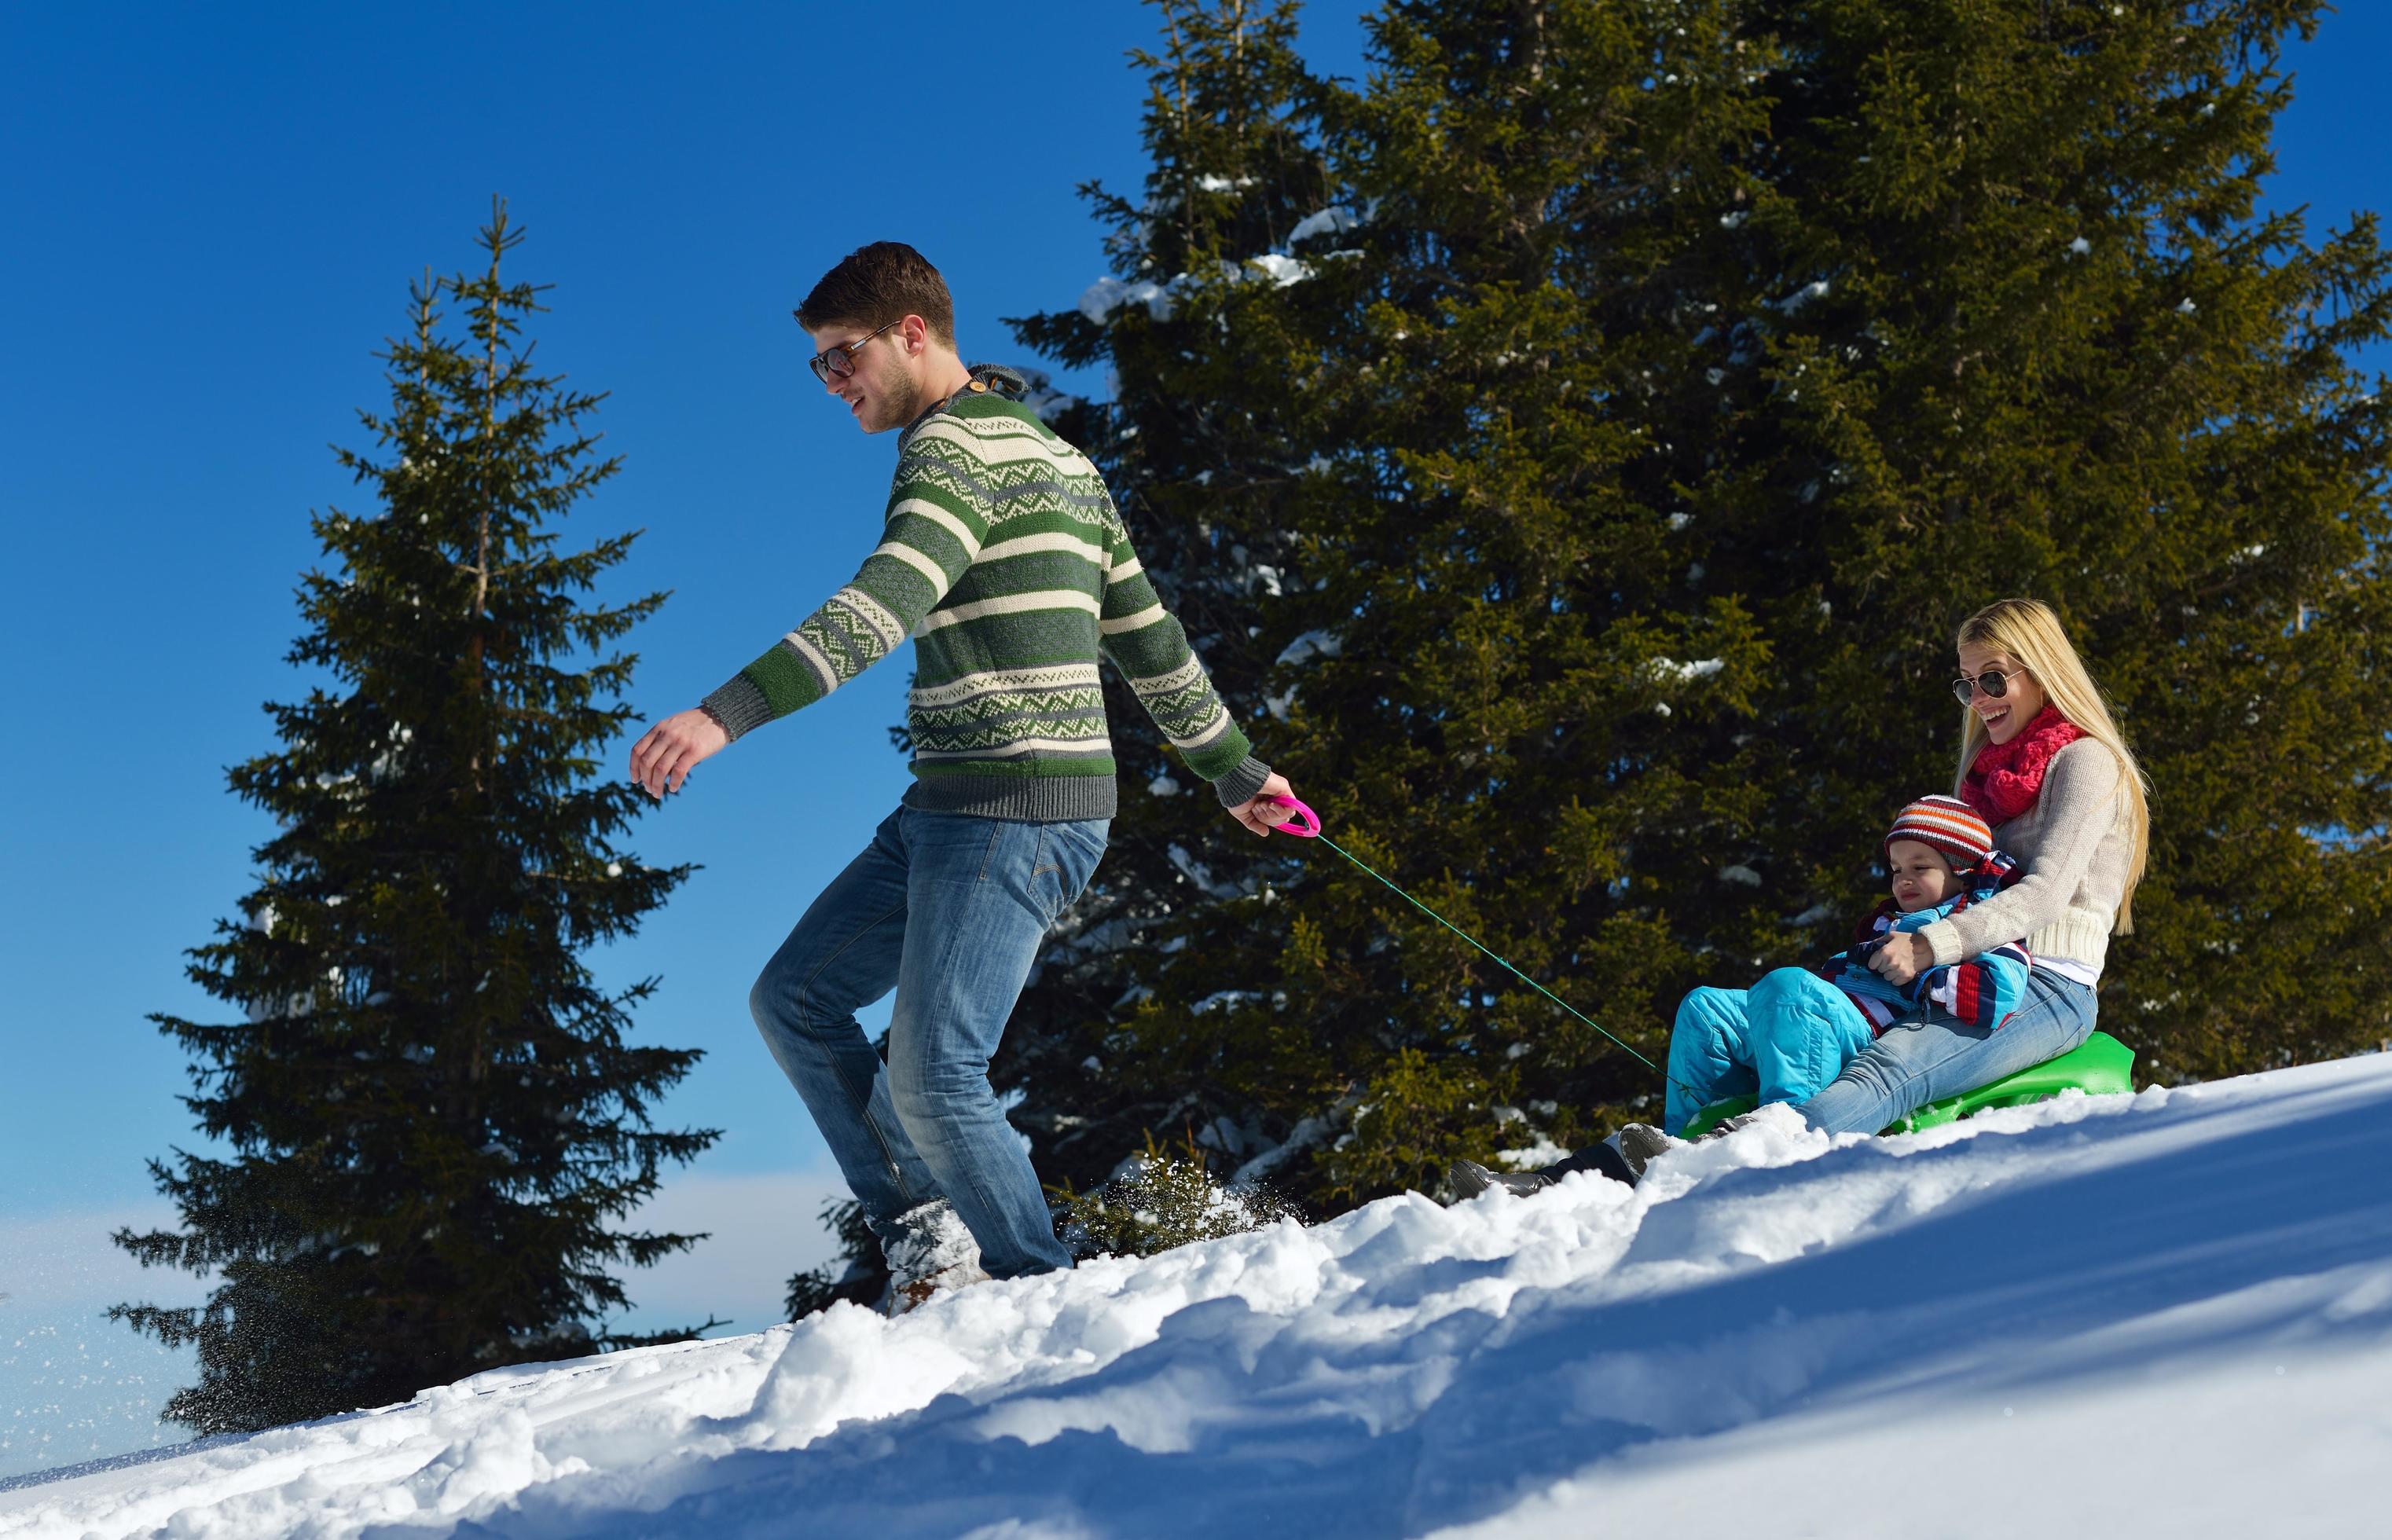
x,y
2168,1314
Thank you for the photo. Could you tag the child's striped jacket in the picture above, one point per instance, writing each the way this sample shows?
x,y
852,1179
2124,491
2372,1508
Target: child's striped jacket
x,y
1982,991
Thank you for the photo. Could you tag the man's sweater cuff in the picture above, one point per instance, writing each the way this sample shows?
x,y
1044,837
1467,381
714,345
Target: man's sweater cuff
x,y
1243,785
738,705
1943,938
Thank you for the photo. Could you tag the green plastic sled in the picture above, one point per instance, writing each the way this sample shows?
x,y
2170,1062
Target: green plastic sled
x,y
2101,1065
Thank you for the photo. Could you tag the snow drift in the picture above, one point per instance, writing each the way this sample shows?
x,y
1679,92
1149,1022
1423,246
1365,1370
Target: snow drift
x,y
2163,1314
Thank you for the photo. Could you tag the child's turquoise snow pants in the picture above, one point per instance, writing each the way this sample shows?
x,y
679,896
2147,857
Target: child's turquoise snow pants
x,y
1781,1041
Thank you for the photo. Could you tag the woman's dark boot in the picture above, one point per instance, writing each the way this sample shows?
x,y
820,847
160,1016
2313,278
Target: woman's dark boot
x,y
1639,1142
1602,1160
1470,1178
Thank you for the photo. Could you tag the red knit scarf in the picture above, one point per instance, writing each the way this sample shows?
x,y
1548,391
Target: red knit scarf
x,y
2005,779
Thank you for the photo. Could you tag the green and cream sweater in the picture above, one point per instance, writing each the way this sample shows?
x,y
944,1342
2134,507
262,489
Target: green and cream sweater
x,y
1004,560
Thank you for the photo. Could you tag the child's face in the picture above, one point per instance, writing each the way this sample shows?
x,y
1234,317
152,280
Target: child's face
x,y
1922,875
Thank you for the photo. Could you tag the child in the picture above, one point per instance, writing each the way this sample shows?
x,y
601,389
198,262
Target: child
x,y
1791,1033
1786,1037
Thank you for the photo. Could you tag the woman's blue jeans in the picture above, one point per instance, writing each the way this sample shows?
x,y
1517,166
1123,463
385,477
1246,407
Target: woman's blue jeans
x,y
948,910
1913,1063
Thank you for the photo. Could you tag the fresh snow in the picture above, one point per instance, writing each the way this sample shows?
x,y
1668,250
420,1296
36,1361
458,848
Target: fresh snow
x,y
1282,270
1670,669
1100,299
2161,1314
1310,645
1107,294
1333,220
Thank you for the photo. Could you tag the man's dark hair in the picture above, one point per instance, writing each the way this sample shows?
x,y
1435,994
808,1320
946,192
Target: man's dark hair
x,y
876,284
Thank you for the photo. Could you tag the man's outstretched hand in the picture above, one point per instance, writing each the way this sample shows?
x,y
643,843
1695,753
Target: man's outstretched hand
x,y
665,755
1261,814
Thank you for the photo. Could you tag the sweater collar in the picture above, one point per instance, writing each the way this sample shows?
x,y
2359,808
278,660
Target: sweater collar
x,y
986,380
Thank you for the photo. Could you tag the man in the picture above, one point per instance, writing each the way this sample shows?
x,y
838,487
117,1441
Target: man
x,y
1004,557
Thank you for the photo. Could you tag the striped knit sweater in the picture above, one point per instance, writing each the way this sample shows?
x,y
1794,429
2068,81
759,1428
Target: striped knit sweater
x,y
1004,560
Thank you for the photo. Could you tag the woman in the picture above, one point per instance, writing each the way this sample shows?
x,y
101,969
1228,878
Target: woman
x,y
2041,760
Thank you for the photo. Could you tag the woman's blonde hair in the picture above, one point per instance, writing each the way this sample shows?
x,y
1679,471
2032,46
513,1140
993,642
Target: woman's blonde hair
x,y
2030,635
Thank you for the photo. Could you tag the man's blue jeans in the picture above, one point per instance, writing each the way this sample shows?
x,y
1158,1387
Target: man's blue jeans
x,y
1917,1062
948,910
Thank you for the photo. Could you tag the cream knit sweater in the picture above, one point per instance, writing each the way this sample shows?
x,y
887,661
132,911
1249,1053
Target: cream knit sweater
x,y
2075,845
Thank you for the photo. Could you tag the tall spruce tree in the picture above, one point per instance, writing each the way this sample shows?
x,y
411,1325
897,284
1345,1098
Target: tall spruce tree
x,y
431,1111
1575,446
1466,636
1203,480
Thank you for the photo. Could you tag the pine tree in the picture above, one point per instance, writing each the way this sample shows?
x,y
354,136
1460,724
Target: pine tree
x,y
1201,481
431,1112
1462,616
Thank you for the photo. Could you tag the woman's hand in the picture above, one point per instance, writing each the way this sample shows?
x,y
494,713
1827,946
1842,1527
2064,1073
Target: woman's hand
x,y
665,755
1902,958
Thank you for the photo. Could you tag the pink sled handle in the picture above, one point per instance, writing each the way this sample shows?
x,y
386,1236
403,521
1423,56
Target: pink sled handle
x,y
1296,825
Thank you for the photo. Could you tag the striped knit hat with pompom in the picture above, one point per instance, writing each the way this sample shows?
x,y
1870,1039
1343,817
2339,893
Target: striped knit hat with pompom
x,y
1948,824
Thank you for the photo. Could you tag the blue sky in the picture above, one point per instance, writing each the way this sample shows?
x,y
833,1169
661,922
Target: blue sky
x,y
217,213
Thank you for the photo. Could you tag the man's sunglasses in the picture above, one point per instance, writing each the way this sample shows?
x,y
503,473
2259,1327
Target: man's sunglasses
x,y
840,360
1992,684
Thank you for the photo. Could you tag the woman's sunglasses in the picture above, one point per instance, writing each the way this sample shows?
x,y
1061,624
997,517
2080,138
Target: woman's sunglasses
x,y
840,360
1992,684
